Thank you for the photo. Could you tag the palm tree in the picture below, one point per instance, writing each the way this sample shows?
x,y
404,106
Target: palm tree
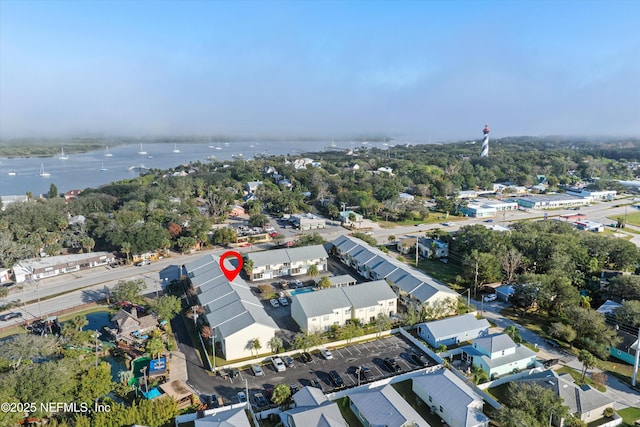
x,y
126,248
588,361
79,322
391,238
514,334
275,343
312,271
281,394
254,345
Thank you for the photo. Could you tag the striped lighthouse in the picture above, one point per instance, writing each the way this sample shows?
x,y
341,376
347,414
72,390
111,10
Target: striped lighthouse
x,y
485,142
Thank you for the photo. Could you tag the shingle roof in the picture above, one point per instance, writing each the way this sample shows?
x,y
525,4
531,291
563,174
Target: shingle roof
x,y
325,301
385,407
453,395
229,306
455,325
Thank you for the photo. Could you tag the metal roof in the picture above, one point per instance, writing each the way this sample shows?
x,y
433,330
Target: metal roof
x,y
385,407
494,343
456,325
281,256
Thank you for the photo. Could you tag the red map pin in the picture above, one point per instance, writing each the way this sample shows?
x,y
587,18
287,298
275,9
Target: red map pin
x,y
231,274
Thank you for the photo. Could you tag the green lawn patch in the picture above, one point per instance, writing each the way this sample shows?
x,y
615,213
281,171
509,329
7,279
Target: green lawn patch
x,y
404,389
347,414
632,218
500,392
445,273
577,376
629,416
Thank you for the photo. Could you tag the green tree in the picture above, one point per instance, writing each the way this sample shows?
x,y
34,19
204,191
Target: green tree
x,y
562,332
53,191
281,394
629,313
275,343
309,240
78,322
248,267
324,282
258,220
130,291
166,307
513,333
94,383
531,404
413,316
254,345
154,346
588,361
312,271
224,236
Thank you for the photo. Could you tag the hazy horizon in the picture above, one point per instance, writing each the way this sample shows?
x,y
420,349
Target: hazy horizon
x,y
414,71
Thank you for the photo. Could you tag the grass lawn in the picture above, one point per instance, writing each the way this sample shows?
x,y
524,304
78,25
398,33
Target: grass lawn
x,y
629,415
617,368
632,218
404,389
445,273
532,321
347,414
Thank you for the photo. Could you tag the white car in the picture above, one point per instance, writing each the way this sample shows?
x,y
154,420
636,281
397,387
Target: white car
x,y
278,364
257,370
326,353
274,303
284,301
490,297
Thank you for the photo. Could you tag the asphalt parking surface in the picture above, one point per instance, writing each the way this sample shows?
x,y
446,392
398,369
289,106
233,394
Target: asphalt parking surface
x,y
345,361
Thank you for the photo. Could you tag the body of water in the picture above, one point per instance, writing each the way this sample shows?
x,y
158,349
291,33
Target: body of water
x,y
93,169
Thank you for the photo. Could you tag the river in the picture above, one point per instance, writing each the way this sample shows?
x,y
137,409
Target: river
x,y
93,169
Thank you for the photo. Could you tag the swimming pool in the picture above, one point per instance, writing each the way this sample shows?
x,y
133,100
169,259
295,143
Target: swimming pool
x,y
301,291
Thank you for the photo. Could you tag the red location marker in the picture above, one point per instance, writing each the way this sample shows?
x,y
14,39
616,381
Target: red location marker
x,y
231,274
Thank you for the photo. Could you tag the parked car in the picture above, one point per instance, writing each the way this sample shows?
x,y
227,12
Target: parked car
x,y
12,315
336,379
326,353
392,364
294,389
364,373
488,220
241,397
288,361
260,400
214,402
284,302
418,359
278,364
274,303
143,262
316,383
234,372
447,224
490,297
257,370
305,357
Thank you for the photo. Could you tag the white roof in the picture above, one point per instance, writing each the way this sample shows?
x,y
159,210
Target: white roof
x,y
281,256
452,326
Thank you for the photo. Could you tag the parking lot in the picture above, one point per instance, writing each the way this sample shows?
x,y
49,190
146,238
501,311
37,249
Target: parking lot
x,y
345,361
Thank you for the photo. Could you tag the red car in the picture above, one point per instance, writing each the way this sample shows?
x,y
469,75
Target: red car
x,y
273,234
245,244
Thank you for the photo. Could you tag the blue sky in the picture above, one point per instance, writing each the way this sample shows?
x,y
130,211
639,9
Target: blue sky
x,y
413,70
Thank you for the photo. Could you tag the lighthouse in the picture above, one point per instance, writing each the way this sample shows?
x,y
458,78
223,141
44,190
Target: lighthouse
x,y
485,142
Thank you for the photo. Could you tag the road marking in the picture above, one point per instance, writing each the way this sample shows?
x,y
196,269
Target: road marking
x,y
405,362
378,369
349,351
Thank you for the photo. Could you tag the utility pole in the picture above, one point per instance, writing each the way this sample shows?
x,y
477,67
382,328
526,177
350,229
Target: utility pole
x,y
635,363
417,252
475,281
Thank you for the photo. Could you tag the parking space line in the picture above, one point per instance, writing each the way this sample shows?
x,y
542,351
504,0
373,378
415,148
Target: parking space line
x,y
357,349
347,349
405,362
339,354
350,377
378,369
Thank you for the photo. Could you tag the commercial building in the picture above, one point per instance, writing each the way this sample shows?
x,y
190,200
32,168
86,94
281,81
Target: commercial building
x,y
42,268
307,221
551,201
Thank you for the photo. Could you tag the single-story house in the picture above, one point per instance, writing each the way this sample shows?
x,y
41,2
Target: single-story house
x,y
341,280
41,268
286,262
345,218
451,398
412,285
383,406
318,311
453,330
224,417
130,326
585,402
427,248
312,409
233,312
505,292
252,186
497,355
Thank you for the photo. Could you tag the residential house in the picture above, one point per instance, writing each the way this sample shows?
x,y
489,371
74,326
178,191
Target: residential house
x,y
224,417
286,262
237,210
413,286
233,312
427,248
130,327
497,355
406,197
5,275
453,330
312,409
252,186
41,268
585,402
626,349
384,407
318,311
7,200
349,218
71,195
451,398
385,169
505,292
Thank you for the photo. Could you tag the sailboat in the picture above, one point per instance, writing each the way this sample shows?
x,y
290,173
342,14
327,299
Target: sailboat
x,y
62,155
107,153
103,169
142,152
12,173
42,172
175,149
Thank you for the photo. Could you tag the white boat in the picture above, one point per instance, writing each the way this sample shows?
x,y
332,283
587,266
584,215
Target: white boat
x,y
142,152
218,147
103,169
107,153
62,155
139,168
175,149
42,172
12,173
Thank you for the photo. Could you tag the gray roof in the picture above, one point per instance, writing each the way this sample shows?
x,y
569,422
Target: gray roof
x,y
454,395
343,279
414,282
309,396
495,342
521,353
385,407
325,301
578,399
314,410
281,256
235,417
456,325
229,306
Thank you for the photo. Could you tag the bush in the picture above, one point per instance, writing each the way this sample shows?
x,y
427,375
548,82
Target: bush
x,y
608,412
